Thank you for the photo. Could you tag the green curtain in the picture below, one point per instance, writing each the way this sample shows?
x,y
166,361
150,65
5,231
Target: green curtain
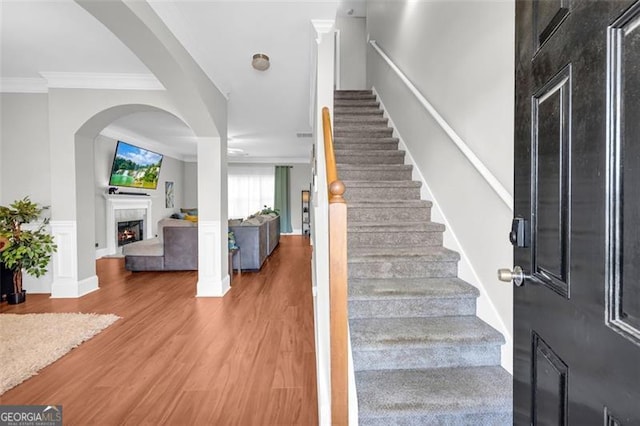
x,y
282,198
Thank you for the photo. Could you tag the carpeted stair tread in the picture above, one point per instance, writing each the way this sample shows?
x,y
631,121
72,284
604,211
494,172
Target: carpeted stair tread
x,y
355,126
381,183
375,172
370,131
390,211
355,153
395,227
379,333
412,204
374,167
369,157
385,189
361,120
409,288
363,140
406,254
356,103
355,95
462,395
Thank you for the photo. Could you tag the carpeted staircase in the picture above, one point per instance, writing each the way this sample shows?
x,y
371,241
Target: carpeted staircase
x,y
421,355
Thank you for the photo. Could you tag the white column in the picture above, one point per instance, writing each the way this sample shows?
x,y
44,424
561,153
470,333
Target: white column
x,y
213,276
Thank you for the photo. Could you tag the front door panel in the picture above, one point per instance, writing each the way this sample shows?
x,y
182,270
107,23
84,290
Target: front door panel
x,y
577,185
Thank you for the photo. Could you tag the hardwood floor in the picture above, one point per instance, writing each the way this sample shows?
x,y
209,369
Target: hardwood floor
x,y
245,359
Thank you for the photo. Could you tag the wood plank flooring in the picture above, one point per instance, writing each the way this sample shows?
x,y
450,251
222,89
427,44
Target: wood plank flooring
x,y
245,359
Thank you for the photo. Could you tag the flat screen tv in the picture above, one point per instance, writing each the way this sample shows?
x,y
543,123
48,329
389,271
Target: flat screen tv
x,y
135,167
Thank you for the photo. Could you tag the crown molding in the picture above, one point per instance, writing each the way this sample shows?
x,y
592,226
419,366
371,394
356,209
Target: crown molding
x,y
23,85
80,80
113,81
322,27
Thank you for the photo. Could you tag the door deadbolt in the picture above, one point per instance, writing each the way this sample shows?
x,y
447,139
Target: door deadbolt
x,y
517,275
518,234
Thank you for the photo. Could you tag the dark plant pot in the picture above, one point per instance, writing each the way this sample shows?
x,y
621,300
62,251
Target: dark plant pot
x,y
16,298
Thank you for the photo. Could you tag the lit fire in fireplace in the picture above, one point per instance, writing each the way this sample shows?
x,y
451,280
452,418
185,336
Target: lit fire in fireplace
x,y
129,232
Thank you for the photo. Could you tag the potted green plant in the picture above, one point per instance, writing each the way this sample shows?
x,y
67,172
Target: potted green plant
x,y
24,249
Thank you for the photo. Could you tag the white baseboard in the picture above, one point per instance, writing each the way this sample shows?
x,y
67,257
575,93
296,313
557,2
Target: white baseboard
x,y
101,252
69,289
212,288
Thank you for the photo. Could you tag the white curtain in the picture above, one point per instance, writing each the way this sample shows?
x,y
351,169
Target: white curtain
x,y
250,189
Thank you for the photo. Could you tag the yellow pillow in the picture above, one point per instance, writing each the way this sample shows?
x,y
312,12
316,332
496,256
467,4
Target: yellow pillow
x,y
191,218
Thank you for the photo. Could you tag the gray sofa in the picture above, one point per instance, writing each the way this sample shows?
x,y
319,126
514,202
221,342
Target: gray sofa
x,y
256,239
175,248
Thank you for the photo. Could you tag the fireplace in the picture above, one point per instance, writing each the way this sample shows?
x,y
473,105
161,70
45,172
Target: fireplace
x,y
130,232
125,208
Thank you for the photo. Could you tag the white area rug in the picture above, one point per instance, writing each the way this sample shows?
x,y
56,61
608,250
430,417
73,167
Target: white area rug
x,y
30,342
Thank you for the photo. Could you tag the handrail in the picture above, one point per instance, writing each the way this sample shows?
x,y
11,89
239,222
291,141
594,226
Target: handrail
x,y
493,182
332,170
337,282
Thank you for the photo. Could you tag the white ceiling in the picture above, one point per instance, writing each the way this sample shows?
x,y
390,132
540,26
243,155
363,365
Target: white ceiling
x,y
266,109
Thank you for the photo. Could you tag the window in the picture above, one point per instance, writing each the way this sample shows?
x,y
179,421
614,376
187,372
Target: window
x,y
250,188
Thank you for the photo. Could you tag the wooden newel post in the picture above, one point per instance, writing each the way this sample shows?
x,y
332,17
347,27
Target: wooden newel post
x,y
338,295
337,281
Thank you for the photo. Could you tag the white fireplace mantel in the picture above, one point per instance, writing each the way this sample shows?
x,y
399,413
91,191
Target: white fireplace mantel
x,y
125,202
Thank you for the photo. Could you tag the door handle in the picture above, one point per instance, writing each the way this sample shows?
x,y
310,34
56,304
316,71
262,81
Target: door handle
x,y
517,275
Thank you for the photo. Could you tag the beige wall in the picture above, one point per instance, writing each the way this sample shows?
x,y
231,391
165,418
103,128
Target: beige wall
x,y
24,133
353,53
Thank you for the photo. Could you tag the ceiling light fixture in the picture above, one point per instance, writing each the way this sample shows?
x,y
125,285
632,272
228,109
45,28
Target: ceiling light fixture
x,y
260,62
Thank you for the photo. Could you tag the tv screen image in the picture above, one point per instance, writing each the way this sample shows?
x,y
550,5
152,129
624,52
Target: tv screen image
x,y
135,167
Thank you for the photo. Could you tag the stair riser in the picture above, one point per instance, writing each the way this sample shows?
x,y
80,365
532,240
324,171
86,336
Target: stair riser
x,y
430,357
374,175
346,111
354,139
389,193
450,419
363,146
394,239
360,120
356,103
388,214
405,269
363,132
410,308
393,157
354,96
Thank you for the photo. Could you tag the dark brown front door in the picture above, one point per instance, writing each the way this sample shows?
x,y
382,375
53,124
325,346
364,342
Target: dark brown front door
x,y
577,188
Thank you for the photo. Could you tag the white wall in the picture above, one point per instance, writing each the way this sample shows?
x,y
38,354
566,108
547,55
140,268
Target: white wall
x,y
172,170
352,52
24,133
460,57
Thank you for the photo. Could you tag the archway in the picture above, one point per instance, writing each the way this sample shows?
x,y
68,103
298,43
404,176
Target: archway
x,y
73,213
